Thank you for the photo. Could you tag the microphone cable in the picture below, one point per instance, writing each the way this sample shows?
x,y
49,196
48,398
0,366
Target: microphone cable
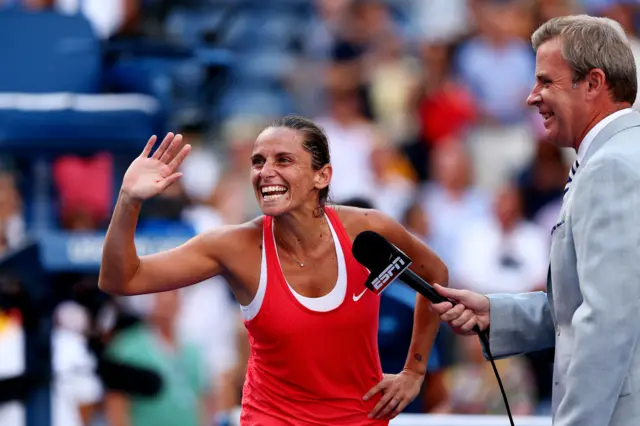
x,y
484,340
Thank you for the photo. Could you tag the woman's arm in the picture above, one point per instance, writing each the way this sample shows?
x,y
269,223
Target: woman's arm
x,y
122,272
425,263
429,267
399,390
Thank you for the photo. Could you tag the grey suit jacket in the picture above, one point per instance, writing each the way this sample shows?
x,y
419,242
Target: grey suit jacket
x,y
590,312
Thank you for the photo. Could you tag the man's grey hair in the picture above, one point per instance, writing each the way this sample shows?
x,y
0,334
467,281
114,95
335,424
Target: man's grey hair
x,y
589,42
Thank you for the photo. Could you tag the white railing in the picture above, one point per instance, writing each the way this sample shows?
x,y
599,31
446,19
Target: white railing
x,y
442,420
458,420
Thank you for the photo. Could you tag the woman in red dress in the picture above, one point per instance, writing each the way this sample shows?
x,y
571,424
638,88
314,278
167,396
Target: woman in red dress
x,y
311,322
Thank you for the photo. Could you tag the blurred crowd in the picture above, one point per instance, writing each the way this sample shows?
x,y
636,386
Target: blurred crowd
x,y
424,104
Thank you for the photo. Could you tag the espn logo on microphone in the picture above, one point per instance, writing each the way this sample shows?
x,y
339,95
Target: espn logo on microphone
x,y
389,274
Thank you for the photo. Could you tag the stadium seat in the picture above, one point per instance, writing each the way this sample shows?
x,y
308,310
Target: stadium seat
x,y
52,89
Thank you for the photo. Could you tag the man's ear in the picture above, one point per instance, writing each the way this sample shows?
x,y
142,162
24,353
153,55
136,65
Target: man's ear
x,y
596,82
323,177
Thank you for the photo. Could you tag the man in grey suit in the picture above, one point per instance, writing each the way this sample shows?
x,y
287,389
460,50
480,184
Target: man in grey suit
x,y
585,85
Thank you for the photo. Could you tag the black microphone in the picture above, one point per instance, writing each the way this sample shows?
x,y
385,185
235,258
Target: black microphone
x,y
386,263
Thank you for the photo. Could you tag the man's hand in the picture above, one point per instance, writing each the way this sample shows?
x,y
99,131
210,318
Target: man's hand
x,y
471,309
398,390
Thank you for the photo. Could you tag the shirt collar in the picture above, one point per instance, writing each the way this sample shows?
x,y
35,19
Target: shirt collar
x,y
591,135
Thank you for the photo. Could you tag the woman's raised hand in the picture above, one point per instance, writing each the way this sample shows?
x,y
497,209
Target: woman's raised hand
x,y
147,176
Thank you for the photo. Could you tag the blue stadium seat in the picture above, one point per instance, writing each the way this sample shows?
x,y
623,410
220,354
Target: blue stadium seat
x,y
52,88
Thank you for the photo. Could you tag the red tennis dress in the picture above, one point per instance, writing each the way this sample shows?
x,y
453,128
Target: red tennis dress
x,y
312,359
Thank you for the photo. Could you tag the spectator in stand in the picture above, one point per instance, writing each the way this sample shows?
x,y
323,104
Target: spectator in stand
x,y
504,253
184,380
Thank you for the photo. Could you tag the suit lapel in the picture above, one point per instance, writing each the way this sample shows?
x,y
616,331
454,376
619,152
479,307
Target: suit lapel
x,y
631,119
624,122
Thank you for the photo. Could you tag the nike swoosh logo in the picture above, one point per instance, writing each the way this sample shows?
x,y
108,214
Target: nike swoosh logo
x,y
357,297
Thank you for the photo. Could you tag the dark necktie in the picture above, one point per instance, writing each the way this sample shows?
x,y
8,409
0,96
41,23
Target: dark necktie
x,y
572,173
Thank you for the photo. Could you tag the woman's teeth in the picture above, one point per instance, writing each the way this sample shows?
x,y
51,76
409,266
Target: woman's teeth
x,y
272,197
270,193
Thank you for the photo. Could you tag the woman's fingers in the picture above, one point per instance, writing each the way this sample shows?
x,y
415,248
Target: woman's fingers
x,y
149,146
163,146
175,163
172,150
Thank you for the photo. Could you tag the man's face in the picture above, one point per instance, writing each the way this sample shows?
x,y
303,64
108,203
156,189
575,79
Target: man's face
x,y
560,102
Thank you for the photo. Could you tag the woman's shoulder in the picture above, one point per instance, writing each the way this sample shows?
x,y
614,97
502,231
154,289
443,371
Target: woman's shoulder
x,y
357,219
227,242
241,232
349,216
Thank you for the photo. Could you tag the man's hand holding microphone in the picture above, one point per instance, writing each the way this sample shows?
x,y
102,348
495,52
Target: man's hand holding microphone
x,y
471,309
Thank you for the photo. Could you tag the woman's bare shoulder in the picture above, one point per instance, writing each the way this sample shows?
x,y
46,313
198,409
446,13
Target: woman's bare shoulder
x,y
356,219
233,238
